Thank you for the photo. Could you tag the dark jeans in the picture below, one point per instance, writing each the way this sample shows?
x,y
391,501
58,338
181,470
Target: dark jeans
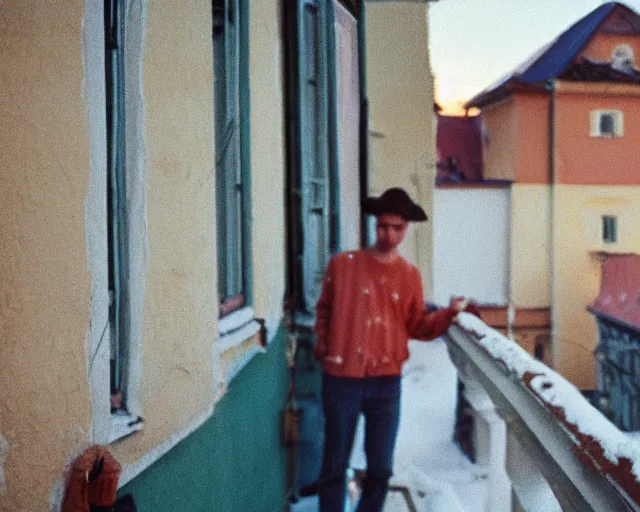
x,y
343,399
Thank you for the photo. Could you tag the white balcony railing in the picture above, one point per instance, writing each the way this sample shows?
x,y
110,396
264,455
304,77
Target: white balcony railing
x,y
545,446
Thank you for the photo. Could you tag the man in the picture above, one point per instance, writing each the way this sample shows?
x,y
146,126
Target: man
x,y
371,305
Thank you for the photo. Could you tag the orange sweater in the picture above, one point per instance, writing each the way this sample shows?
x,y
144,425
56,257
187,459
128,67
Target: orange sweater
x,y
366,314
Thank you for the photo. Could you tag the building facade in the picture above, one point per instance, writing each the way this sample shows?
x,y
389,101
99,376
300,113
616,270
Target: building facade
x,y
172,174
562,129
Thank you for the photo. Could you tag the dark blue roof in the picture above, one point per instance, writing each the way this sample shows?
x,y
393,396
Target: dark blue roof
x,y
559,56
554,59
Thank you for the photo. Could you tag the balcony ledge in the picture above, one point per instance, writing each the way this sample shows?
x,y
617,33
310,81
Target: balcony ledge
x,y
588,462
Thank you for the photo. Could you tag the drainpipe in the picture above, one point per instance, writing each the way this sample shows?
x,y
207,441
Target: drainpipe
x,y
550,87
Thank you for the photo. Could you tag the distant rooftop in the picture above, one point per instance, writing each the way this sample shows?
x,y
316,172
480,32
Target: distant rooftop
x,y
619,298
556,58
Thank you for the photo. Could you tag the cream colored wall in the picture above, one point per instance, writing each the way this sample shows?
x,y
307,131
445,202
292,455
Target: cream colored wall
x,y
267,159
402,135
52,141
45,408
181,332
180,307
530,258
499,155
471,241
576,268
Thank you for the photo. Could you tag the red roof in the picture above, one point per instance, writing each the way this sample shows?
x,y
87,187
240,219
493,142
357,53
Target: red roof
x,y
619,296
459,144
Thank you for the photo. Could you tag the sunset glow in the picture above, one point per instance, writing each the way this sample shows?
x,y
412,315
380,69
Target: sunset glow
x,y
452,97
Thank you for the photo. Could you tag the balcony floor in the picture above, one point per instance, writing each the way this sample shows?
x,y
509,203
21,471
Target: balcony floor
x,y
438,475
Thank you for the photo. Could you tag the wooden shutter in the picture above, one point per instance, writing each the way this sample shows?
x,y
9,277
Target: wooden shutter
x,y
348,125
314,154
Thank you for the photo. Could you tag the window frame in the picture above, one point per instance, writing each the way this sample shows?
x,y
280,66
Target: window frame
x,y
617,118
231,140
121,103
117,222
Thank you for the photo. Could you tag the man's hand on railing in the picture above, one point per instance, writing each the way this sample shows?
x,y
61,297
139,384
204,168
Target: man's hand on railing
x,y
466,305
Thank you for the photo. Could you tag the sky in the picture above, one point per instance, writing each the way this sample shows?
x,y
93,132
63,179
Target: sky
x,y
475,42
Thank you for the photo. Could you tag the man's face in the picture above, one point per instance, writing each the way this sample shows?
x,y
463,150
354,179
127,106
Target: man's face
x,y
390,231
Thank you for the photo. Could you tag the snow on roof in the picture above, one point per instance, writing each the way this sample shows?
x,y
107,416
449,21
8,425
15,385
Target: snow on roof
x,y
567,403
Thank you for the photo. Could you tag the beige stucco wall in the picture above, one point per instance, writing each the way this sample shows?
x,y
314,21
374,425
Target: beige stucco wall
x,y
180,329
499,154
400,92
180,307
47,267
45,408
267,158
530,250
576,268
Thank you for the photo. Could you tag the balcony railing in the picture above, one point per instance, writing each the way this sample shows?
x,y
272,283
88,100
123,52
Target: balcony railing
x,y
547,448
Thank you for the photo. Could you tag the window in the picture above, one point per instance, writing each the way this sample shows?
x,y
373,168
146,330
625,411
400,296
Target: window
x,y
231,99
607,123
609,229
116,206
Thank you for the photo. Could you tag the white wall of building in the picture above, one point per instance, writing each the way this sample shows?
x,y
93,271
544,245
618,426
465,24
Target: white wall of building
x,y
471,244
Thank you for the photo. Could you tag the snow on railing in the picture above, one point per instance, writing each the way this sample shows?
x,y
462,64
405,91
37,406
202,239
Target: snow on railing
x,y
598,442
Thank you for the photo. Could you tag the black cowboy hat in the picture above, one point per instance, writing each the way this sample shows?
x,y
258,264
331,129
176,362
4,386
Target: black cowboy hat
x,y
396,201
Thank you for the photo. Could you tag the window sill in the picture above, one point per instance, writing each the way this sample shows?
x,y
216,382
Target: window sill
x,y
123,424
235,321
235,329
239,335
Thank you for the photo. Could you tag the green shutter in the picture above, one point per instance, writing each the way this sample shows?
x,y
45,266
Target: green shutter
x,y
314,148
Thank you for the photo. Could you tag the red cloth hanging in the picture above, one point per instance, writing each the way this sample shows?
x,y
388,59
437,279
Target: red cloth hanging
x,y
94,481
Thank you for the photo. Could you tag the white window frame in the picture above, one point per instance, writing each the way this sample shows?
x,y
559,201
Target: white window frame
x,y
596,119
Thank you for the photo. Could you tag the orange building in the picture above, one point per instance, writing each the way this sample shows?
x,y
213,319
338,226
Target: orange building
x,y
564,128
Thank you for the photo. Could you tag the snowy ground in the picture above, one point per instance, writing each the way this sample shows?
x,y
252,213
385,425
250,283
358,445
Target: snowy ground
x,y
440,478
